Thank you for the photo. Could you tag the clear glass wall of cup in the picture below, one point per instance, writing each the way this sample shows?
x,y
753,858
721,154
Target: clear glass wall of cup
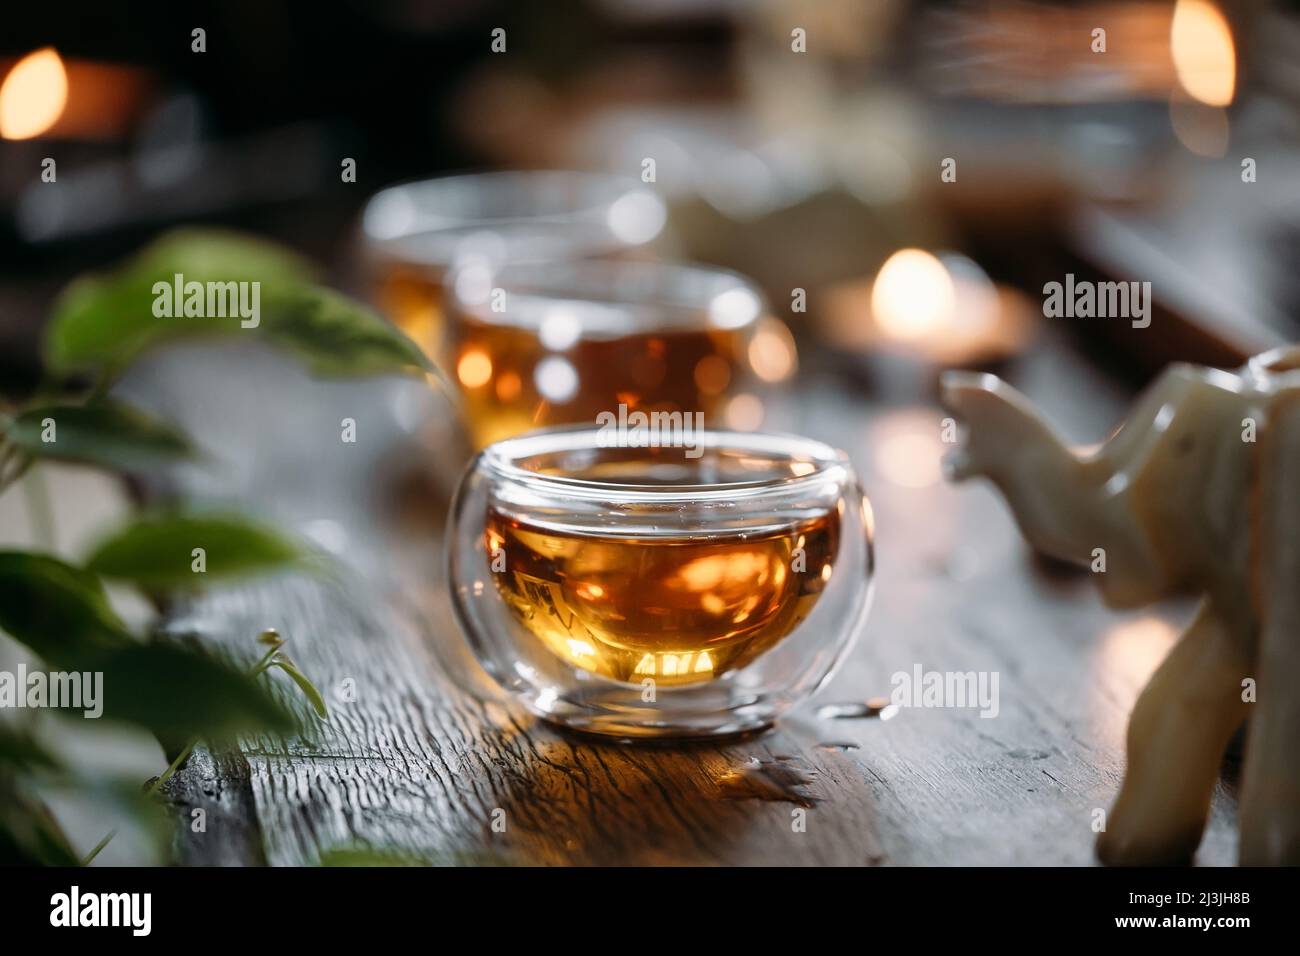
x,y
545,343
680,590
414,234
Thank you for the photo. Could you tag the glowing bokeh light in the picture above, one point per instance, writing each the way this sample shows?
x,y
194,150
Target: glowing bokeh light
x,y
33,95
772,352
744,413
474,369
1205,58
556,379
913,296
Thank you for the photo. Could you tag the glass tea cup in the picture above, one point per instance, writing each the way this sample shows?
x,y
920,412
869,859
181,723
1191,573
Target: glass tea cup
x,y
415,234
636,590
548,343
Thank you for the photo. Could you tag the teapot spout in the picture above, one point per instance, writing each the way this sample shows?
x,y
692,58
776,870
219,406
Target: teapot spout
x,y
1049,489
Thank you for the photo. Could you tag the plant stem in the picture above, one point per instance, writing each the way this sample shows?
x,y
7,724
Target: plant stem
x,y
12,464
265,662
175,765
99,846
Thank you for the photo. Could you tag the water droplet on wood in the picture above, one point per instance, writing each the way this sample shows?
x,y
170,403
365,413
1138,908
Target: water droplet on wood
x,y
871,707
772,779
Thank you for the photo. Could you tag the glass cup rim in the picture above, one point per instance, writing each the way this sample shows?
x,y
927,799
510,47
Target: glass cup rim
x,y
693,287
501,457
607,188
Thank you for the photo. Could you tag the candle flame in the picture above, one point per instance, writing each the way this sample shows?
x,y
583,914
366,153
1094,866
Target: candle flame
x,y
913,297
33,95
1203,53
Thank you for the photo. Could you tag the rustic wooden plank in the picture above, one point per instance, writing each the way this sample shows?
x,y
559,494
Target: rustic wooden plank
x,y
424,756
226,834
416,766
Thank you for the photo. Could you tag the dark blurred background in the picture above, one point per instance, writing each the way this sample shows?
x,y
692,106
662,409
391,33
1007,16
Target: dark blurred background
x,y
803,169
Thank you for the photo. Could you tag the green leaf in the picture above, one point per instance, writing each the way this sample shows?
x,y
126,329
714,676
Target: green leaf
x,y
20,751
178,693
105,433
106,319
156,551
306,686
207,254
338,336
57,610
29,834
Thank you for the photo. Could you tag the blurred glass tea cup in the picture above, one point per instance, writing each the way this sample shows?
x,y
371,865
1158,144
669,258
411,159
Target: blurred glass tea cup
x,y
537,344
414,234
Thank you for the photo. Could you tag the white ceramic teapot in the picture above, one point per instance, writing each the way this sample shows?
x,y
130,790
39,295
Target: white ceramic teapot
x,y
1197,493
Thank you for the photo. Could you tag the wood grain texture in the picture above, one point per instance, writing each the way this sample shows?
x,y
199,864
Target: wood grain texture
x,y
424,754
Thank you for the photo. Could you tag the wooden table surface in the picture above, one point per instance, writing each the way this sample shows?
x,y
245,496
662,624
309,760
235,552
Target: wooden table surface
x,y
420,759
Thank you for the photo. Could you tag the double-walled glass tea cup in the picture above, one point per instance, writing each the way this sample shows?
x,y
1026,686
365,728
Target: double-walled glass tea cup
x,y
621,586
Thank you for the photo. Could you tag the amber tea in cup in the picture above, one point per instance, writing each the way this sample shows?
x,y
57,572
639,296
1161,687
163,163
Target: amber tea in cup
x,y
678,608
415,234
539,344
